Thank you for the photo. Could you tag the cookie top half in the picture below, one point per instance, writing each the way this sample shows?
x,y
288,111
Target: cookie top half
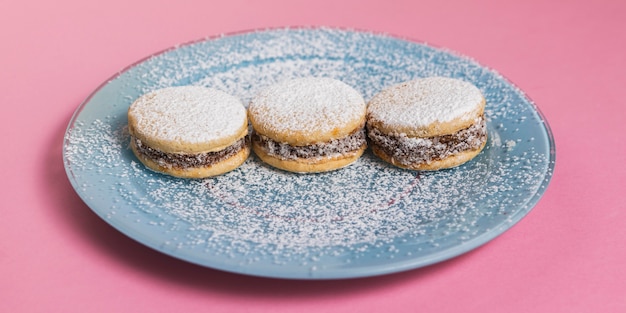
x,y
426,107
303,111
187,119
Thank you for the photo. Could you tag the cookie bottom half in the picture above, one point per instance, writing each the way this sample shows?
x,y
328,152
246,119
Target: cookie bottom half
x,y
224,165
309,165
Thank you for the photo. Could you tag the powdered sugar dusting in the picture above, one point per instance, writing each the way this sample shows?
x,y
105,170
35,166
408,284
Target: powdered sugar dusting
x,y
264,221
188,114
420,102
307,106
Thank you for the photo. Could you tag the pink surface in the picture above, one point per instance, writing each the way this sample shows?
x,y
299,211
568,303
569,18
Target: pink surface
x,y
567,255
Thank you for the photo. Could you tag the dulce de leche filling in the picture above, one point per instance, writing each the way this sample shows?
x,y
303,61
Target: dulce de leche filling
x,y
183,161
335,147
407,150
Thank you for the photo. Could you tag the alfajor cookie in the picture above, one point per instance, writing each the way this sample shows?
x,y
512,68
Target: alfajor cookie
x,y
427,124
308,125
189,131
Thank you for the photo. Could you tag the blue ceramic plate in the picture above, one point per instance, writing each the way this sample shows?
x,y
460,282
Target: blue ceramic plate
x,y
366,219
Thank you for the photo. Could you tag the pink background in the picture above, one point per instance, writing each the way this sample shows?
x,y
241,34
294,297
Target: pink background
x,y
567,255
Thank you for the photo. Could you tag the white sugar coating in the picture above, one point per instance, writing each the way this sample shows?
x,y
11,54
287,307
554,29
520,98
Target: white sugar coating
x,y
188,114
256,214
421,102
307,105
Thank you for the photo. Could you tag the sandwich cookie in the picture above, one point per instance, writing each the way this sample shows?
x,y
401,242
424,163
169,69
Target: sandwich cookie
x,y
189,131
308,125
427,124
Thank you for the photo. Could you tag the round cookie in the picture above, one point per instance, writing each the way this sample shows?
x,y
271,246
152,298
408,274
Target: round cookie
x,y
189,131
308,125
427,124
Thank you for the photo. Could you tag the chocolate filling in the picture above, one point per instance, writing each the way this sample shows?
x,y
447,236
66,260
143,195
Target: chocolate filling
x,y
407,151
183,161
335,147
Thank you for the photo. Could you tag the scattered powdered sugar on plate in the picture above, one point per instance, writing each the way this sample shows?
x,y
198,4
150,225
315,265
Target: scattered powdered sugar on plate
x,y
365,219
